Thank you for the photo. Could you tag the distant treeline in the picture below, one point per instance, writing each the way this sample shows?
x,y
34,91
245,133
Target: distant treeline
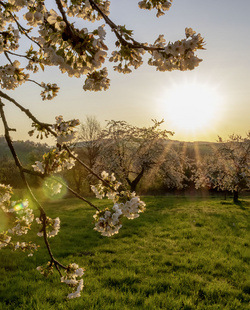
x,y
29,152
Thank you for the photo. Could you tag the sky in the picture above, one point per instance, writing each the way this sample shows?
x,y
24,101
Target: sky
x,y
198,105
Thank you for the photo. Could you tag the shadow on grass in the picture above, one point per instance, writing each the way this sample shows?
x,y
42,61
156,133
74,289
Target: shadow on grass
x,y
241,203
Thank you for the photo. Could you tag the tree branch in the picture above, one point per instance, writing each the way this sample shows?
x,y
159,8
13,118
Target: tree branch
x,y
43,215
29,114
114,27
85,166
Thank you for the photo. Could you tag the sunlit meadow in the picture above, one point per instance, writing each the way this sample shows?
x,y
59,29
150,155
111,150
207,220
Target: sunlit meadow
x,y
182,253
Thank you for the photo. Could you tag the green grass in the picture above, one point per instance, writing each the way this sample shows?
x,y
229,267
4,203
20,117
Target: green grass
x,y
182,253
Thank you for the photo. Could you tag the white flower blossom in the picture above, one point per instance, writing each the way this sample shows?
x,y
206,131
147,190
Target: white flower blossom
x,y
38,166
73,272
131,208
56,20
108,221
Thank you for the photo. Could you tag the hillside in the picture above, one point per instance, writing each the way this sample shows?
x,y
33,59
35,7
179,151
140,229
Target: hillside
x,y
25,150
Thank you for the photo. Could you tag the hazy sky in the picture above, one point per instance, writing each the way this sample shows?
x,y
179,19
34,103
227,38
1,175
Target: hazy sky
x,y
217,92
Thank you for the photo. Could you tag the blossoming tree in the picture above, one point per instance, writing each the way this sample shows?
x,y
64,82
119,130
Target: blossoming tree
x,y
131,151
229,168
88,136
173,169
32,36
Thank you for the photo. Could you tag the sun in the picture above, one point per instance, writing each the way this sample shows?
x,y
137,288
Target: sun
x,y
190,107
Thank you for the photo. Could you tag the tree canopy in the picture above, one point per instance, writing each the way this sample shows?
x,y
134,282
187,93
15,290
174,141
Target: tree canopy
x,y
229,167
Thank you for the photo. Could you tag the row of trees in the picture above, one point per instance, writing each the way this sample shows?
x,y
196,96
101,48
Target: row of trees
x,y
146,158
229,168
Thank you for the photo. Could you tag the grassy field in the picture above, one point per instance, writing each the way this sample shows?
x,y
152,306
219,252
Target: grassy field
x,y
182,253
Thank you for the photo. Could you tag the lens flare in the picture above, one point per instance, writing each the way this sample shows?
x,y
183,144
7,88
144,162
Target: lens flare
x,y
53,187
20,206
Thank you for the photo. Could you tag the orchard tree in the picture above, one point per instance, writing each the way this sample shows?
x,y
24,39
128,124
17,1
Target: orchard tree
x,y
130,151
173,168
229,168
33,36
88,138
87,148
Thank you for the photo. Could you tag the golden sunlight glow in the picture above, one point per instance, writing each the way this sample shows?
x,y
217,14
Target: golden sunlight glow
x,y
191,107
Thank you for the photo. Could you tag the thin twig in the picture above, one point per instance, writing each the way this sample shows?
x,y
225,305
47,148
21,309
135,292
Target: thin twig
x,y
75,193
86,167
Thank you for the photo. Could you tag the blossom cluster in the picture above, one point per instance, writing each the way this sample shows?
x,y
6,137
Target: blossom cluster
x,y
24,217
126,204
131,208
127,57
53,186
73,273
9,39
65,130
26,246
77,52
52,226
110,191
5,195
160,5
179,55
74,51
107,221
84,10
35,14
11,76
54,162
97,81
20,219
49,90
46,270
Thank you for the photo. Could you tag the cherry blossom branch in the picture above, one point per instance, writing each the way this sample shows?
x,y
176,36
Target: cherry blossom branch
x,y
43,215
35,82
69,30
60,8
47,127
114,27
23,30
7,56
20,27
18,55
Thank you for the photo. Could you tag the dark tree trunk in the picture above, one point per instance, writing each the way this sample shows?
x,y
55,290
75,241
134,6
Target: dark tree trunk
x,y
225,195
236,196
133,184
